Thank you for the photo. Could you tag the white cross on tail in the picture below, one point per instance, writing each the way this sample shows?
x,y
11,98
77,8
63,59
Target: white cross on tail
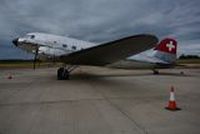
x,y
170,46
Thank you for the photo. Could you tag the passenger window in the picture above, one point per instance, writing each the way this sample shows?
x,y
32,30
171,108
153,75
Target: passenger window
x,y
64,45
32,36
74,47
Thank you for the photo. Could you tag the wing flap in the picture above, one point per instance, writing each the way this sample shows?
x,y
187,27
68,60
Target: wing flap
x,y
112,51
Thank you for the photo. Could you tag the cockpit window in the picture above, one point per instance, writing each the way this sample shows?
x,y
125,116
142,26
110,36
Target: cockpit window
x,y
32,36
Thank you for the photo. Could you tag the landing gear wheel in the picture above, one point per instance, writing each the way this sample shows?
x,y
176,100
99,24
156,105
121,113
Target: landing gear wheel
x,y
62,74
155,72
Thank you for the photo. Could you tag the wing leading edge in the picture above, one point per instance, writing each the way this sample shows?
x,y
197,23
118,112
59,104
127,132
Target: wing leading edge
x,y
112,51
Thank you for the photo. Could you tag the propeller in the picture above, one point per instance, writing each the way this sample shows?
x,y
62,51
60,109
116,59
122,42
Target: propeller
x,y
35,57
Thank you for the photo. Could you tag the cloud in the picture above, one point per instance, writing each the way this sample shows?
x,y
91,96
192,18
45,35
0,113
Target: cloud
x,y
100,20
191,47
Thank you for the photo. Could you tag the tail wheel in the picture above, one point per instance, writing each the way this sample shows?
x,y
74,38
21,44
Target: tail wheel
x,y
155,72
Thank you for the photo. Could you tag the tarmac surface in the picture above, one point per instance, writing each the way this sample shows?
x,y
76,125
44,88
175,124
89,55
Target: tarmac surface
x,y
98,101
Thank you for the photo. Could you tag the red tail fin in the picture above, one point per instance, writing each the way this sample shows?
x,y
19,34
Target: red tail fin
x,y
167,45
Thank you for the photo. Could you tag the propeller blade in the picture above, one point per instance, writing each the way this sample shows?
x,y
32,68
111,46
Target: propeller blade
x,y
35,58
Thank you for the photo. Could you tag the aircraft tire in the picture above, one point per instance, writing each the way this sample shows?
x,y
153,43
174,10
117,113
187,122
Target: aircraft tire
x,y
62,74
156,72
66,75
59,73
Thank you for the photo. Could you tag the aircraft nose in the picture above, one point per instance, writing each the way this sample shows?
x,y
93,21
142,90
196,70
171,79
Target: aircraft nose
x,y
15,42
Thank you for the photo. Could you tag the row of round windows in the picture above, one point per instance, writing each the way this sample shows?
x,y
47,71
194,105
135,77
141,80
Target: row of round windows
x,y
73,47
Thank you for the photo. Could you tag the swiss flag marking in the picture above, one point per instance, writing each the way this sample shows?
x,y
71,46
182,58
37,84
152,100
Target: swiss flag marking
x,y
170,46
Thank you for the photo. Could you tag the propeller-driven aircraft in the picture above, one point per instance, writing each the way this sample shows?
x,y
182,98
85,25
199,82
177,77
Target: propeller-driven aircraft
x,y
74,52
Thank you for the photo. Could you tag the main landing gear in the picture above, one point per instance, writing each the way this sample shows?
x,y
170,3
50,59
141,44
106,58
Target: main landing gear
x,y
63,72
155,71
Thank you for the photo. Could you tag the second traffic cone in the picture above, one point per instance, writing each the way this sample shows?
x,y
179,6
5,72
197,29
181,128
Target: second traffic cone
x,y
172,102
9,76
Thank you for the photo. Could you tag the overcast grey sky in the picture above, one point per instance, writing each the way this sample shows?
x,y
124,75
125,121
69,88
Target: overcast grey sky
x,y
100,21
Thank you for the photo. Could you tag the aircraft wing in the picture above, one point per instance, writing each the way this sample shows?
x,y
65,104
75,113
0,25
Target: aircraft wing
x,y
112,51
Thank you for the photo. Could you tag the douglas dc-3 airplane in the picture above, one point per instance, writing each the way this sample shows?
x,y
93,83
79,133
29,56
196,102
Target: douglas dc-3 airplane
x,y
77,52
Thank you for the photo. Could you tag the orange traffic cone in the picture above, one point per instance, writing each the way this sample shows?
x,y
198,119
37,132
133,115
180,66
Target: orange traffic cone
x,y
172,103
